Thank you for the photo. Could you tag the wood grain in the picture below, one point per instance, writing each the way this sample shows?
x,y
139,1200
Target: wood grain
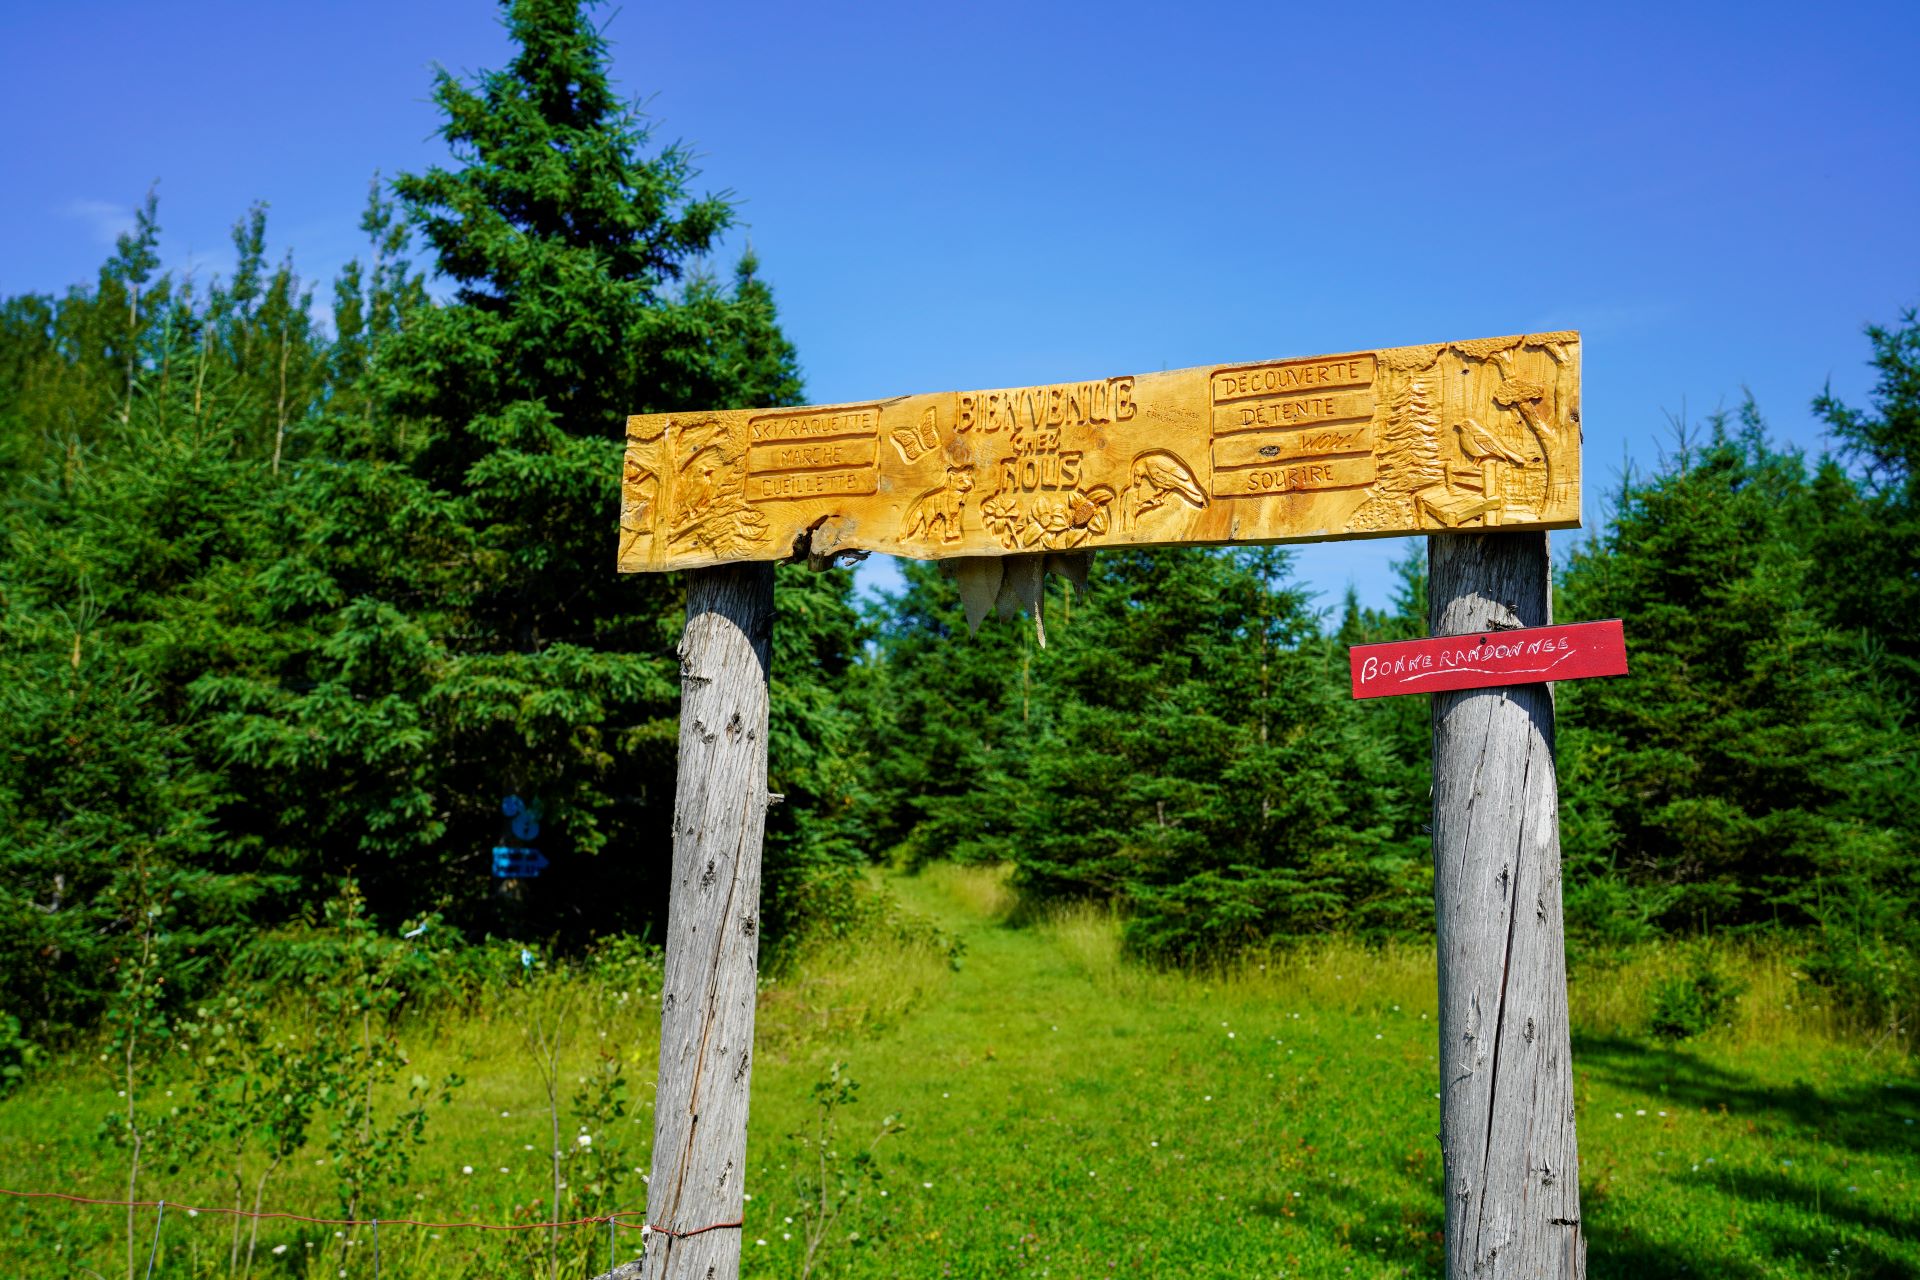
x,y
713,926
1474,434
1506,1078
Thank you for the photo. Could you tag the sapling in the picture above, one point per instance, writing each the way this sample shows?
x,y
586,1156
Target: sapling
x,y
826,1183
138,1027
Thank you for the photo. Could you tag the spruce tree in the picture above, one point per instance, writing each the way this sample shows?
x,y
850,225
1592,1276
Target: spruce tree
x,y
1720,785
454,557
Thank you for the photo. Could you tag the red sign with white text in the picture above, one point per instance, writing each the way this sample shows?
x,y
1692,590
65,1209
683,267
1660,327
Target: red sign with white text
x,y
1484,659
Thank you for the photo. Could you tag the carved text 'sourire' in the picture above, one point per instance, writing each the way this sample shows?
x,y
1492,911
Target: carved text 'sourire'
x,y
1459,435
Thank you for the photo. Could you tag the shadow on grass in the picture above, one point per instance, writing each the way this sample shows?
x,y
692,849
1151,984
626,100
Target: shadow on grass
x,y
1773,1224
1866,1119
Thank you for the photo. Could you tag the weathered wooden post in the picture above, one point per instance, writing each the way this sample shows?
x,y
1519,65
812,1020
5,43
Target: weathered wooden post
x,y
1506,1068
695,1192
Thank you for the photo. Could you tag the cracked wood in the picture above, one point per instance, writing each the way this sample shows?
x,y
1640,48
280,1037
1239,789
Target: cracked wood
x,y
1507,1122
713,934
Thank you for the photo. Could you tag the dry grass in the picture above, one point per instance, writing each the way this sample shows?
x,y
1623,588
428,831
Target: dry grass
x,y
983,891
1776,1002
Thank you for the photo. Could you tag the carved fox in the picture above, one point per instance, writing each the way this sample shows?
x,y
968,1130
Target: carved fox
x,y
943,505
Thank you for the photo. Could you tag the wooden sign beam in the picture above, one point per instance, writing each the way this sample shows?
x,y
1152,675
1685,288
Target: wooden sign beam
x,y
1459,435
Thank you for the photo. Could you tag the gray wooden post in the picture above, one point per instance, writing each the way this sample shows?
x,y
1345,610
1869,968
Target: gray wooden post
x,y
1506,1075
713,928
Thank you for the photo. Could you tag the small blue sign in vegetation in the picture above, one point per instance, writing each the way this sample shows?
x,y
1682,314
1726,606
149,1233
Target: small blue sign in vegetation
x,y
510,863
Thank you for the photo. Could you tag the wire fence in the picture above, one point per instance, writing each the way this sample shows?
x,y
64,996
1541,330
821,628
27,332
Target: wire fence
x,y
616,1220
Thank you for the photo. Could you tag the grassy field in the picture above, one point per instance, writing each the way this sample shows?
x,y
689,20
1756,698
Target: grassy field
x,y
1066,1114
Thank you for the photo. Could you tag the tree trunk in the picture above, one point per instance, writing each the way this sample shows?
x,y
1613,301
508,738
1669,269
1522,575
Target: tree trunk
x,y
713,928
1506,1076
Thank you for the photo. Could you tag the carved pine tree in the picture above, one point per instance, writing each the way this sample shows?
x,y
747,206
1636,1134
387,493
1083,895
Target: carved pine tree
x,y
1408,461
1410,448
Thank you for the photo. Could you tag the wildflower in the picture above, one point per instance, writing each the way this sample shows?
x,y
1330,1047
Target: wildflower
x,y
504,1169
465,1168
585,1139
927,1185
761,1243
279,1248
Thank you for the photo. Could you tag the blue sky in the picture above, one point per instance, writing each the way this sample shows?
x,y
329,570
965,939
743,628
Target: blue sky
x,y
953,196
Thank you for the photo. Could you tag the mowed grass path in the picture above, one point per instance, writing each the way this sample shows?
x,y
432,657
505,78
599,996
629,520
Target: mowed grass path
x,y
1069,1115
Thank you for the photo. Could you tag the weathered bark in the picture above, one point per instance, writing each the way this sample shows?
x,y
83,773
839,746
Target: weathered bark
x,y
1506,1075
713,928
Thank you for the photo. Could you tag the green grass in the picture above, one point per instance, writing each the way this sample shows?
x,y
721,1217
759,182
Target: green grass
x,y
1070,1115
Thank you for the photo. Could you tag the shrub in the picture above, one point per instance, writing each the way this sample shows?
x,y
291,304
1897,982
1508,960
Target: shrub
x,y
1693,1001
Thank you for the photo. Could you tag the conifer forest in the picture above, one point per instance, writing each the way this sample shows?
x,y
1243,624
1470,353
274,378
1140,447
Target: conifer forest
x,y
300,579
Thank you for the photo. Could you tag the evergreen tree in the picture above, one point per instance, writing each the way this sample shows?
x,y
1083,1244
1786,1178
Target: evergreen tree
x,y
1721,784
1871,536
454,559
128,574
1184,746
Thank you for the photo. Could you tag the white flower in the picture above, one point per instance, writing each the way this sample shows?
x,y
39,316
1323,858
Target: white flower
x,y
762,1243
927,1185
465,1168
745,1196
504,1169
505,1114
279,1248
585,1139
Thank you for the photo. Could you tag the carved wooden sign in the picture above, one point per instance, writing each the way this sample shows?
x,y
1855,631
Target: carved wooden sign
x,y
1528,655
1458,435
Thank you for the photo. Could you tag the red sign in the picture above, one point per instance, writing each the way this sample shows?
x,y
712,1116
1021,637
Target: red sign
x,y
1484,659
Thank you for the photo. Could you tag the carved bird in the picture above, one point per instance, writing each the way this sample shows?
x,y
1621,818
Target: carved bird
x,y
1480,444
1156,475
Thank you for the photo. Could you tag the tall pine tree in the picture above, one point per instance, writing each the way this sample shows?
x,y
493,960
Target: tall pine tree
x,y
454,554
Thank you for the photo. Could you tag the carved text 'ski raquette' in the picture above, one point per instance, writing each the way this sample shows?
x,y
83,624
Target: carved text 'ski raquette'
x,y
1459,435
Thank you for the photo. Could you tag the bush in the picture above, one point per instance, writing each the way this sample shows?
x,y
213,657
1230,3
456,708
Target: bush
x,y
1694,1001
